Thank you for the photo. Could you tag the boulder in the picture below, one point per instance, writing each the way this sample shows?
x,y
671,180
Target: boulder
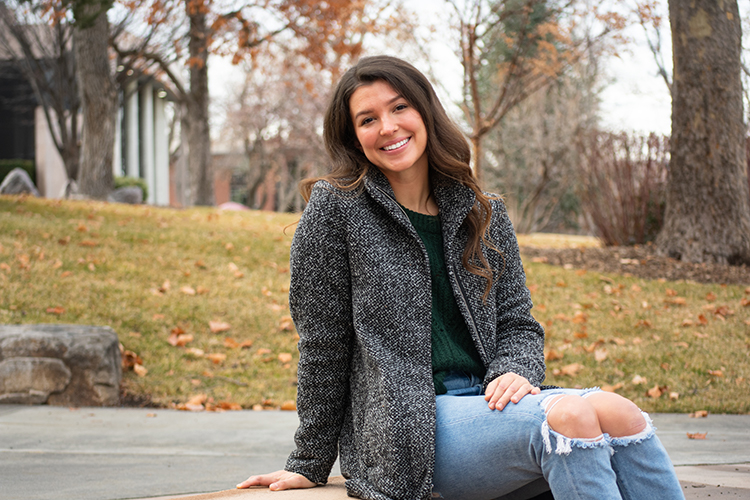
x,y
18,182
66,365
132,195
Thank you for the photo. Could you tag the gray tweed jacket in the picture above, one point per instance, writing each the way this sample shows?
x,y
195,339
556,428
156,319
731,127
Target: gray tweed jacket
x,y
360,298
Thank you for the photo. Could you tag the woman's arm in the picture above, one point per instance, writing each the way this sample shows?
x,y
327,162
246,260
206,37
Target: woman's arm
x,y
320,304
520,338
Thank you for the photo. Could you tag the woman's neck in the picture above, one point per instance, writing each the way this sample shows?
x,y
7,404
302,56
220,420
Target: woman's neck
x,y
414,193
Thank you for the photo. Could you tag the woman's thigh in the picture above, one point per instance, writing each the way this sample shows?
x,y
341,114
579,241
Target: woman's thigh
x,y
483,453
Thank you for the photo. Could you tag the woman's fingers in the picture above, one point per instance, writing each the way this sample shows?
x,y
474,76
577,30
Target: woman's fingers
x,y
277,481
508,388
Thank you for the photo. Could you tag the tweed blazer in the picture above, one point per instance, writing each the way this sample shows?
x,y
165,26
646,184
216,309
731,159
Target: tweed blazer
x,y
360,297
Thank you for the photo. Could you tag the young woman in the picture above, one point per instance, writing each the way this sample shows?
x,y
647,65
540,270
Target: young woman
x,y
420,363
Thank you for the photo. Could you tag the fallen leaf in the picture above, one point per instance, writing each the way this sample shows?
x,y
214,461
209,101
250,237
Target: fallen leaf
x,y
226,405
200,264
571,370
285,357
231,343
671,293
644,323
55,310
688,322
676,301
129,359
179,340
682,344
612,388
744,302
288,406
217,358
233,267
150,415
88,243
699,414
553,355
618,341
580,317
581,335
716,373
218,326
246,344
81,228
286,323
710,296
201,290
140,370
697,435
600,355
197,399
674,396
194,351
655,392
157,316
638,380
187,290
702,319
263,351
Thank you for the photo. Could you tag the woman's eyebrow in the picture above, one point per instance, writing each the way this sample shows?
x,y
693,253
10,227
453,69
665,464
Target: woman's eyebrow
x,y
368,111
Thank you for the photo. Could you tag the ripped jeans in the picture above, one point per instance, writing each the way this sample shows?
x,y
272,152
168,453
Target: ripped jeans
x,y
484,454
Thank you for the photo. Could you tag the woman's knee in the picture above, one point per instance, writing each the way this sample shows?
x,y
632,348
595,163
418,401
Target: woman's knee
x,y
573,417
617,416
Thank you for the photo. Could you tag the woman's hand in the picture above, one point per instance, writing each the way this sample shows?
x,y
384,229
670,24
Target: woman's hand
x,y
508,387
277,481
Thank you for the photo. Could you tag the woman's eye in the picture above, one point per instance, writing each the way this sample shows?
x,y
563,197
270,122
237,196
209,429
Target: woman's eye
x,y
366,121
399,107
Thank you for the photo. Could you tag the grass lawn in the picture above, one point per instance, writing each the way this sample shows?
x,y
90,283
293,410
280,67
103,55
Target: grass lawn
x,y
200,296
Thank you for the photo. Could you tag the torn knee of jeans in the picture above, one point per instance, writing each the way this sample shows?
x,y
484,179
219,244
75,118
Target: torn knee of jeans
x,y
648,432
565,444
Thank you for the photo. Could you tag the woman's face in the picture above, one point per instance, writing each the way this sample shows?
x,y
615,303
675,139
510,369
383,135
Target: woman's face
x,y
389,130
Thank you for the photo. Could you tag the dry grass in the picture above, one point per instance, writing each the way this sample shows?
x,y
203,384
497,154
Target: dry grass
x,y
148,272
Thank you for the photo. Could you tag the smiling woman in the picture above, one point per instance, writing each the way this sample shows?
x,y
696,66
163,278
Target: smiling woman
x,y
420,362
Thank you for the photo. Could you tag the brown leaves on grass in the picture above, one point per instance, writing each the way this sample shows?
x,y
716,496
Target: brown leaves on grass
x,y
656,391
570,370
699,414
131,361
218,326
56,310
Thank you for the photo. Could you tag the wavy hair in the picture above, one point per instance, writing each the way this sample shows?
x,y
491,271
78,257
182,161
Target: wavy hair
x,y
448,152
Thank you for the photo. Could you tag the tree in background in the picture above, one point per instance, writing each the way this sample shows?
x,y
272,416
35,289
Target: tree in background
x,y
708,209
510,49
188,31
98,96
38,40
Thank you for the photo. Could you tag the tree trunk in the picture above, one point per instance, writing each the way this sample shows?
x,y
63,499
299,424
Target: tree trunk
x,y
98,104
199,161
708,212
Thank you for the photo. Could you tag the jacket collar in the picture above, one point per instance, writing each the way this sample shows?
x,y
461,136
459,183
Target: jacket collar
x,y
453,199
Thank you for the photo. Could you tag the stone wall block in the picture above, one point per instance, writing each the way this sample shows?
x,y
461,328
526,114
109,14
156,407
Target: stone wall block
x,y
91,354
32,380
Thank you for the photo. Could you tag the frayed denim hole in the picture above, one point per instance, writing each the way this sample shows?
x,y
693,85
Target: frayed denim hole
x,y
647,433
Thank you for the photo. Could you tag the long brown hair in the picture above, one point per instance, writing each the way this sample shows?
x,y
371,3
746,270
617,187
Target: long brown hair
x,y
448,151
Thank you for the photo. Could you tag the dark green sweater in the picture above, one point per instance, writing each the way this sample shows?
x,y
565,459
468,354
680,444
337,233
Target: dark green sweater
x,y
452,346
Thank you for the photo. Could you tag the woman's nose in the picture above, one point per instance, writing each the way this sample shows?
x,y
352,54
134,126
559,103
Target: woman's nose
x,y
388,126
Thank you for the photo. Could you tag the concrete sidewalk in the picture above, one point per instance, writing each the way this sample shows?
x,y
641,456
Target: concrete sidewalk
x,y
125,453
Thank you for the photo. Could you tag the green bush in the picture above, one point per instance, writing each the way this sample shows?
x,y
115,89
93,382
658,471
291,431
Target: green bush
x,y
7,165
132,181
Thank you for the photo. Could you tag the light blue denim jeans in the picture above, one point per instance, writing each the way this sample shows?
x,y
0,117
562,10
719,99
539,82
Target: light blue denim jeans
x,y
484,454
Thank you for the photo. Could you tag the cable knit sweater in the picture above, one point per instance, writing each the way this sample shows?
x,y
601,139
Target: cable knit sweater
x,y
360,298
452,345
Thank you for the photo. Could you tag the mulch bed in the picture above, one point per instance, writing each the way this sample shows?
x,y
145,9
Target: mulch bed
x,y
638,261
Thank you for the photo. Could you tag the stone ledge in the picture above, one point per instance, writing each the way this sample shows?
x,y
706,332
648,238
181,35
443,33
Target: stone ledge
x,y
58,364
334,490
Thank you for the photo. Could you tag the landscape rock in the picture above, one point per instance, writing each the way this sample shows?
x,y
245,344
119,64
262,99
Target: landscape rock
x,y
132,195
66,365
18,182
26,380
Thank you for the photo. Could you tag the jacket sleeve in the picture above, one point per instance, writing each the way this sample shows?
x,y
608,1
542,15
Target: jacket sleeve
x,y
320,304
520,338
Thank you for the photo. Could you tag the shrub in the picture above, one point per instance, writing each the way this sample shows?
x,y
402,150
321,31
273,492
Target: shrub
x,y
623,185
121,182
7,165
